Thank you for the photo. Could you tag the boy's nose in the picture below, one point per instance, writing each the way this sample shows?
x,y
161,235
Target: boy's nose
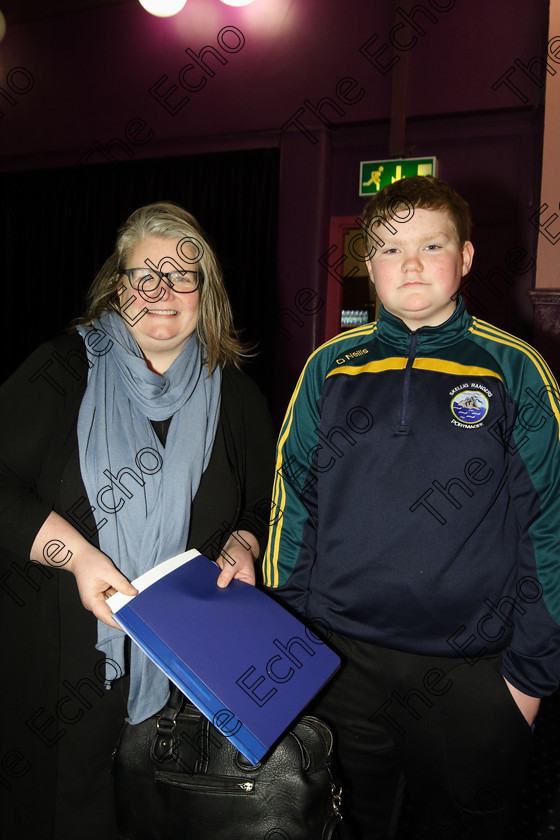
x,y
412,262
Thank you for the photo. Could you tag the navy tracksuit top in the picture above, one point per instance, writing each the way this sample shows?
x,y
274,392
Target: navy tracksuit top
x,y
417,495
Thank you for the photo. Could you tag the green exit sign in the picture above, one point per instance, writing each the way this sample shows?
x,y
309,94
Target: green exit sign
x,y
376,174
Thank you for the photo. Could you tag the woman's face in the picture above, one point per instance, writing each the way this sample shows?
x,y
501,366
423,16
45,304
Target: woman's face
x,y
161,321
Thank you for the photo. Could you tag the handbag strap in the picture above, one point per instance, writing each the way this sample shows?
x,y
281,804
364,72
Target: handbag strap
x,y
163,745
175,703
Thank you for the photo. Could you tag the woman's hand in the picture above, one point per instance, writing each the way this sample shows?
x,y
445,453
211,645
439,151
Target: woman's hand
x,y
237,558
528,706
97,579
58,544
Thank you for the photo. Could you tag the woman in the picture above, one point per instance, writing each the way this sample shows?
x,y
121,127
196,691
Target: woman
x,y
122,444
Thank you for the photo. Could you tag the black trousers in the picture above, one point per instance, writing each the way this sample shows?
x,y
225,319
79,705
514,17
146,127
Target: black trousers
x,y
448,731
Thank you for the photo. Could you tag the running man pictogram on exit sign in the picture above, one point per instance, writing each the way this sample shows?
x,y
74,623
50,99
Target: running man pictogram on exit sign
x,y
376,174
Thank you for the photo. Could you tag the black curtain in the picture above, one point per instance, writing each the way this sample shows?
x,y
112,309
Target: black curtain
x,y
58,226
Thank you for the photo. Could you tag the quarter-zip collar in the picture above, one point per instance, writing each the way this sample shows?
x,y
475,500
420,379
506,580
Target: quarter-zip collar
x,y
413,343
427,339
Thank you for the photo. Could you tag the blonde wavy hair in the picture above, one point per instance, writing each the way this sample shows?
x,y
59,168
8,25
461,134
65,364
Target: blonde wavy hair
x,y
215,328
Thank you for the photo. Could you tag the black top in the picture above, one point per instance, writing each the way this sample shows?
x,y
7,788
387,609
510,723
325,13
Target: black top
x,y
58,723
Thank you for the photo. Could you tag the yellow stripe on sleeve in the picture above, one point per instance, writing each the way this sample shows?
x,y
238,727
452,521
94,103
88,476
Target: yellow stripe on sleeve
x,y
489,332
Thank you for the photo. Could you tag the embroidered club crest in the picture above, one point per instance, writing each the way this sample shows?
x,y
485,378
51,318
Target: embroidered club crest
x,y
469,406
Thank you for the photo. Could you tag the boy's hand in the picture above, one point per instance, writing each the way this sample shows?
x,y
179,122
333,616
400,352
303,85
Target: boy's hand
x,y
528,706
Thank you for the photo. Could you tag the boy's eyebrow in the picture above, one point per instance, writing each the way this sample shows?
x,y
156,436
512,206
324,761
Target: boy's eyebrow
x,y
396,237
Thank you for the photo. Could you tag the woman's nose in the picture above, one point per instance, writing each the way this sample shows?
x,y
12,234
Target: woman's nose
x,y
161,292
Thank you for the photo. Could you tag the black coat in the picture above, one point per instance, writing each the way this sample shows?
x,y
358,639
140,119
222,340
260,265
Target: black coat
x,y
58,723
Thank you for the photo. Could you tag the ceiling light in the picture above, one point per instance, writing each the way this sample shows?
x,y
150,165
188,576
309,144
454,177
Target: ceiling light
x,y
163,8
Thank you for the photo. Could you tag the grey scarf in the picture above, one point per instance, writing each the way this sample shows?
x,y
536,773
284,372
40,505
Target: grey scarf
x,y
141,491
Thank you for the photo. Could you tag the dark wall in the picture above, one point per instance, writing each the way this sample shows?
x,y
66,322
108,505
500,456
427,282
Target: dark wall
x,y
493,160
97,71
58,226
314,78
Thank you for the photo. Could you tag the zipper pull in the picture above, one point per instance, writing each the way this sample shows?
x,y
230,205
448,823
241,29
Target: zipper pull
x,y
246,786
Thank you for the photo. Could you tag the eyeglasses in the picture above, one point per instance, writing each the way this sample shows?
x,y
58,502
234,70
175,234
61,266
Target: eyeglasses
x,y
148,279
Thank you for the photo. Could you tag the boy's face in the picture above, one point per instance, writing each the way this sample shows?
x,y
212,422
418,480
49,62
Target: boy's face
x,y
419,268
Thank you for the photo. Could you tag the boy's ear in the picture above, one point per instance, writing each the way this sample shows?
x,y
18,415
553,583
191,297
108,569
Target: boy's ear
x,y
467,254
370,270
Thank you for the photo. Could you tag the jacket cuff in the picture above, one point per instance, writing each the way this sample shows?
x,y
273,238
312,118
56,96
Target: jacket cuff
x,y
537,676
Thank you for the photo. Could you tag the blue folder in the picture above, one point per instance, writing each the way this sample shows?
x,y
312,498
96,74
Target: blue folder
x,y
247,663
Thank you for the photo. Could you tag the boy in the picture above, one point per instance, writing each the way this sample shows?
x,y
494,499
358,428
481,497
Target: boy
x,y
418,474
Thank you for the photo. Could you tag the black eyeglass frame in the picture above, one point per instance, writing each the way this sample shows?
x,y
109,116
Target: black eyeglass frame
x,y
165,276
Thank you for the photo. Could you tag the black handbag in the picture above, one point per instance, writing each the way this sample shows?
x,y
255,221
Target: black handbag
x,y
178,778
